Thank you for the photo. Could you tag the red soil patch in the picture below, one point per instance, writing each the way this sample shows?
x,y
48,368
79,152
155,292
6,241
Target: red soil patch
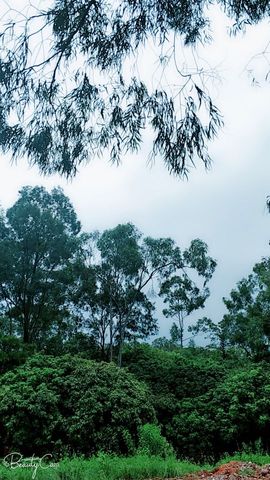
x,y
234,471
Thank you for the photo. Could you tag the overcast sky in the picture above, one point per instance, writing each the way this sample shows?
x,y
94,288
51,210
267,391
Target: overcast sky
x,y
225,206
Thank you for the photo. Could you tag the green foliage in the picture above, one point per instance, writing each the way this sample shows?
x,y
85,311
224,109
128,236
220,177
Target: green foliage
x,y
107,467
245,414
179,373
181,294
75,118
217,333
164,343
152,443
13,352
112,288
246,325
70,404
66,291
139,467
206,405
176,334
39,236
242,456
175,377
227,417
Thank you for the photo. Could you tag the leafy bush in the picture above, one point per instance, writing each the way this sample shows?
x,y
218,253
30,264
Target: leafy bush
x,y
228,417
177,379
13,352
152,443
206,405
69,404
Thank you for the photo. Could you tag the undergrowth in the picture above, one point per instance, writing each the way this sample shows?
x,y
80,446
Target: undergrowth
x,y
106,467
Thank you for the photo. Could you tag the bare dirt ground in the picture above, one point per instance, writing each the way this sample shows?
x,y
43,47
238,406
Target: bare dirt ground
x,y
234,471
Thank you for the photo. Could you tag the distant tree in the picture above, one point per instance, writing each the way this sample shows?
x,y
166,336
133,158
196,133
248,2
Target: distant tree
x,y
246,326
67,98
120,284
247,322
176,334
38,238
115,285
89,303
181,293
216,332
163,343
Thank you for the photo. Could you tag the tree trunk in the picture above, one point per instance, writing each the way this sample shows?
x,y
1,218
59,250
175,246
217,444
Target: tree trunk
x,y
181,337
222,347
111,331
120,355
10,326
102,343
26,336
181,328
120,342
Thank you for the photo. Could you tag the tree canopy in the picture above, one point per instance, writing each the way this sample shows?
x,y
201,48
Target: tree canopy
x,y
246,324
114,287
39,239
70,88
63,290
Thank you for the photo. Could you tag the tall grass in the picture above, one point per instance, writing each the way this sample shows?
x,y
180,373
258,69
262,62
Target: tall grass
x,y
258,458
104,467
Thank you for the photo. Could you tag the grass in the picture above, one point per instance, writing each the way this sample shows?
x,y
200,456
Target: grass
x,y
105,467
259,458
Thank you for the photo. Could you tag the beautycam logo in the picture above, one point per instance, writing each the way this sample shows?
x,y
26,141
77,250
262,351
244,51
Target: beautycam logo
x,y
16,460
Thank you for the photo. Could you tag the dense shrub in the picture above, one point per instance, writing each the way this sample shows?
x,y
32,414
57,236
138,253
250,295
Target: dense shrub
x,y
13,352
181,373
174,376
70,404
235,413
242,407
206,405
152,443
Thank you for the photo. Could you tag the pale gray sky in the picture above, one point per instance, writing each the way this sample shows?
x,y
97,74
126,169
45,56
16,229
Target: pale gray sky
x,y
225,207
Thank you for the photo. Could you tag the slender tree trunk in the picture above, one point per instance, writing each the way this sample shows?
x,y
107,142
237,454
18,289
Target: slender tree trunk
x,y
26,336
111,330
181,328
104,352
10,326
120,342
120,355
222,347
102,342
181,338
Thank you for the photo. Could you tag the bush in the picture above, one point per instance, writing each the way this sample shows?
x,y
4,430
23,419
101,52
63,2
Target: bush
x,y
229,417
152,443
71,405
206,405
13,352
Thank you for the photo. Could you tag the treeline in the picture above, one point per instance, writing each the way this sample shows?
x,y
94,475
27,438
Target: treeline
x,y
64,290
76,306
